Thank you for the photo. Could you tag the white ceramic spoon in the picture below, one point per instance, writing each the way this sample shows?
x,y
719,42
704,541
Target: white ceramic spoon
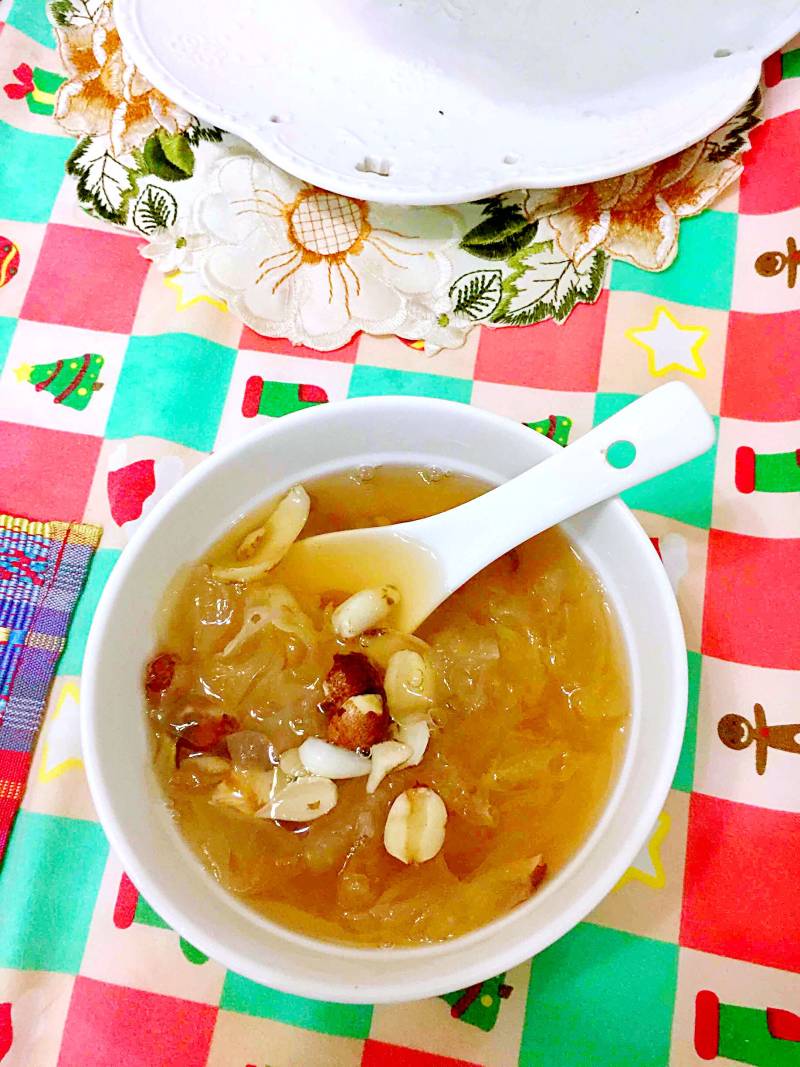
x,y
428,559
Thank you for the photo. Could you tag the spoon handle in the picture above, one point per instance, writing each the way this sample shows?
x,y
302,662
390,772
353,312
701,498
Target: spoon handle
x,y
655,433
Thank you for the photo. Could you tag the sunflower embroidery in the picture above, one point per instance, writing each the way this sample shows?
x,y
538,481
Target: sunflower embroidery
x,y
316,266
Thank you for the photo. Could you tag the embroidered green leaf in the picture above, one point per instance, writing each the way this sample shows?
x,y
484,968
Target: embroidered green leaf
x,y
477,294
546,284
75,12
169,156
197,133
105,186
733,137
156,209
503,232
62,12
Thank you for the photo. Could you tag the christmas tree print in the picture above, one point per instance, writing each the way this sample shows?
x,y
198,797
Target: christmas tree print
x,y
556,427
479,1005
71,382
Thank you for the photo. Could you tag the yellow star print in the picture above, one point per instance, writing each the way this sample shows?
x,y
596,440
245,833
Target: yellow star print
x,y
648,867
191,291
23,372
60,744
671,346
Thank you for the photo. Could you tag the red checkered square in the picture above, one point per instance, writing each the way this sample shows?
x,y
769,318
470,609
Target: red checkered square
x,y
112,1024
254,342
379,1054
86,278
752,597
772,167
740,889
762,367
546,355
45,474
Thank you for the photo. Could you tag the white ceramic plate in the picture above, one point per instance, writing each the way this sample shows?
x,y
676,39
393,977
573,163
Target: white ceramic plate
x,y
441,101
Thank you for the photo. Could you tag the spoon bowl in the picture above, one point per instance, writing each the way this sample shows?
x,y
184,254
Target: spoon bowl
x,y
428,559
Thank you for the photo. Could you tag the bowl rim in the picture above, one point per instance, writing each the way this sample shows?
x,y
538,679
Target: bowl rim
x,y
137,865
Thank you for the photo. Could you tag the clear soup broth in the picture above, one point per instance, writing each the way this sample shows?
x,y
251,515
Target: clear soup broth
x,y
525,707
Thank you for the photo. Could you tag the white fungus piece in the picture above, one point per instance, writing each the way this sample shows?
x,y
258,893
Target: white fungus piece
x,y
228,795
302,800
266,546
364,611
415,826
273,606
385,757
332,761
209,765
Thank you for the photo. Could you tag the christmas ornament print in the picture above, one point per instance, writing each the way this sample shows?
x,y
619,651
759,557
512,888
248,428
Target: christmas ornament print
x,y
737,733
556,427
71,382
9,261
279,398
762,1038
777,472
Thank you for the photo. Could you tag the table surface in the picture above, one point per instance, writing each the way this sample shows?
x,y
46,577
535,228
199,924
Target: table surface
x,y
91,973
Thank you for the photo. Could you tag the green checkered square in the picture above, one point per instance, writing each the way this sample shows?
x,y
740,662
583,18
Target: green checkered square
x,y
599,996
31,172
102,563
344,1020
30,18
7,327
48,884
685,493
702,274
684,774
383,381
172,386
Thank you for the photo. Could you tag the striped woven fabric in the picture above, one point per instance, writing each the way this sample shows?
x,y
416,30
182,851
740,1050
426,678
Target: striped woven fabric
x,y
43,566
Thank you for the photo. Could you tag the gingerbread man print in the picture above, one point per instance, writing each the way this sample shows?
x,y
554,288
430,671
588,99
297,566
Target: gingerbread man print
x,y
737,733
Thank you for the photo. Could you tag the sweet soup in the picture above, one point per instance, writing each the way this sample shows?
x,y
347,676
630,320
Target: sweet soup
x,y
364,785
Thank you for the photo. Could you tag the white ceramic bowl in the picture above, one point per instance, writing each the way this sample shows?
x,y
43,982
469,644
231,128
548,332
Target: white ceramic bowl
x,y
129,802
442,101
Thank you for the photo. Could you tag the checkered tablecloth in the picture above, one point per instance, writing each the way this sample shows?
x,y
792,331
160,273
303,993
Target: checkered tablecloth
x,y
696,953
